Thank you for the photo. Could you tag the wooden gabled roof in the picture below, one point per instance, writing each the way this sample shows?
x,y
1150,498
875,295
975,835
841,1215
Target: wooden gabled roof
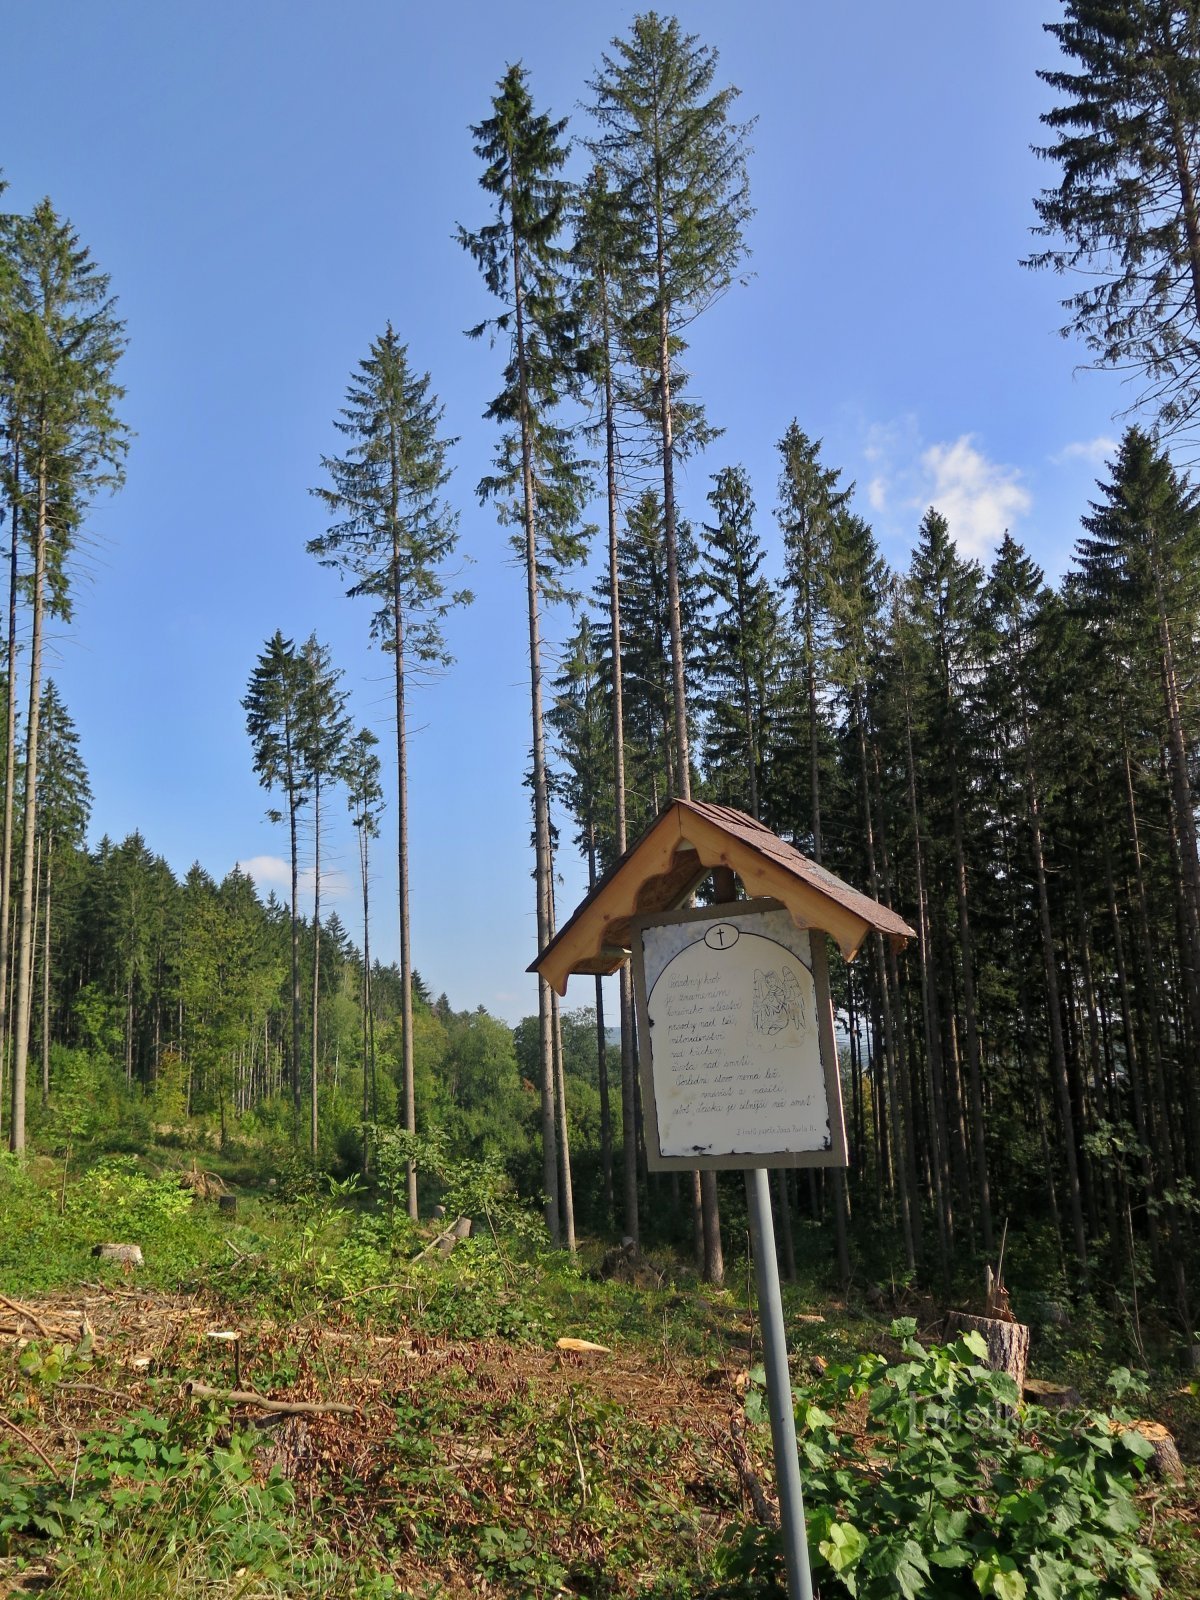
x,y
673,857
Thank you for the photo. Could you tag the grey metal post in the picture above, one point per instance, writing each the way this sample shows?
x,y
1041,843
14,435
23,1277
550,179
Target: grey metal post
x,y
779,1386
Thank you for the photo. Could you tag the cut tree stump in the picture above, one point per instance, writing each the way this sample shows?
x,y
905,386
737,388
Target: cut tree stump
x,y
1007,1342
129,1254
1054,1396
1165,1463
445,1241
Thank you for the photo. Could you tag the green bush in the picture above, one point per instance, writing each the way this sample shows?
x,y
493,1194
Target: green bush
x,y
927,1478
47,1231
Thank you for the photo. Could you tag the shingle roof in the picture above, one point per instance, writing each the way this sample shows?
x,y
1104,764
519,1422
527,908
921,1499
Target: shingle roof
x,y
675,854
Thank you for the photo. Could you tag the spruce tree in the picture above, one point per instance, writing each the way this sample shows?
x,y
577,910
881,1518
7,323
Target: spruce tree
x,y
393,535
677,161
1140,567
63,812
274,707
539,484
600,296
1126,211
323,731
583,729
364,796
946,599
741,644
63,341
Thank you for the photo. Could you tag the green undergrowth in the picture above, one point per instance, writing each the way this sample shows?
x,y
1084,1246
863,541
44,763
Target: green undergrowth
x,y
474,1455
926,1477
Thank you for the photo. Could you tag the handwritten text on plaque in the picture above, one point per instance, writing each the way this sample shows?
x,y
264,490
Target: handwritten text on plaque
x,y
735,1047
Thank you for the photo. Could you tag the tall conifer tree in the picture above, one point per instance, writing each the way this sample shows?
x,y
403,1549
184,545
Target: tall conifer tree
x,y
394,534
274,707
741,637
1127,208
539,483
65,345
324,730
364,795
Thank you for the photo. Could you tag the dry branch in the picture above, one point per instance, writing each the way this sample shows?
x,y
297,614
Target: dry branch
x,y
33,1445
26,1312
246,1397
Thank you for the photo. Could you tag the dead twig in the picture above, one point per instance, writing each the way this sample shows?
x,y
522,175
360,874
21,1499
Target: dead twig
x,y
33,1445
29,1313
764,1513
246,1397
375,1288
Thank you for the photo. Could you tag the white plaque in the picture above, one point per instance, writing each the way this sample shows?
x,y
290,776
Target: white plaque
x,y
739,1066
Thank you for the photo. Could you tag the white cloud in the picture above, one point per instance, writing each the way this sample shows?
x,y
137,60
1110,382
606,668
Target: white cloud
x,y
1094,451
273,872
979,498
877,493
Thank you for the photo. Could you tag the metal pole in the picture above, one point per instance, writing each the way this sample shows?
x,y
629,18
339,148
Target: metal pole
x,y
779,1386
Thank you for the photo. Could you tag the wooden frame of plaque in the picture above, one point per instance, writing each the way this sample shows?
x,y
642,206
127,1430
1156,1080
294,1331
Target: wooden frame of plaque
x,y
746,1071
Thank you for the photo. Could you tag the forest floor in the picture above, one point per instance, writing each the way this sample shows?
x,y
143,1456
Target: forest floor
x,y
472,1456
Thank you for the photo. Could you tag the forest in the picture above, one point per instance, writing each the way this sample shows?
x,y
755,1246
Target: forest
x,y
1008,762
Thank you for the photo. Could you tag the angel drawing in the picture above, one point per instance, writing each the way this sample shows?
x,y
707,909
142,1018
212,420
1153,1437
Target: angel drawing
x,y
778,1005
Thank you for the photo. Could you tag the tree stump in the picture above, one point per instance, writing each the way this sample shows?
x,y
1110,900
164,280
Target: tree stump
x,y
1165,1463
130,1255
1007,1342
1054,1396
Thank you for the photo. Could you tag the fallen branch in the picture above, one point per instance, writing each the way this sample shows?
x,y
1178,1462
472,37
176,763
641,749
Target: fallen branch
x,y
33,1445
764,1512
30,1315
246,1397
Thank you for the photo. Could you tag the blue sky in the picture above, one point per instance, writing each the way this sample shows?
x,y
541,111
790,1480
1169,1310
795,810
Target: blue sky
x,y
269,182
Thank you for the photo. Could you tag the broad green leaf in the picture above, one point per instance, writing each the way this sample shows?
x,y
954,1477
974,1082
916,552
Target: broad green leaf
x,y
844,1546
997,1575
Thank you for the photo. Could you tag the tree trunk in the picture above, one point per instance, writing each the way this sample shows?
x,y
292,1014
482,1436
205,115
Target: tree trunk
x,y
24,992
10,769
566,1188
629,1191
541,793
316,968
406,998
46,973
974,1075
295,930
363,860
1007,1342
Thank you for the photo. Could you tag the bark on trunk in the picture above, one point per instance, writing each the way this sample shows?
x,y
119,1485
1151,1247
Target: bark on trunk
x,y
541,795
406,997
24,993
10,765
313,1128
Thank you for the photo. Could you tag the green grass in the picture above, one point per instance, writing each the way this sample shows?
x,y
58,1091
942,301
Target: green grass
x,y
475,1453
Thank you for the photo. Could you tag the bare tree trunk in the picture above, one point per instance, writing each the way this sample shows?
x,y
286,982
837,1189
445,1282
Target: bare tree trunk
x,y
974,1075
46,970
10,773
566,1188
316,968
541,790
1057,1051
406,999
606,1138
363,862
905,1145
629,1190
295,929
24,991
